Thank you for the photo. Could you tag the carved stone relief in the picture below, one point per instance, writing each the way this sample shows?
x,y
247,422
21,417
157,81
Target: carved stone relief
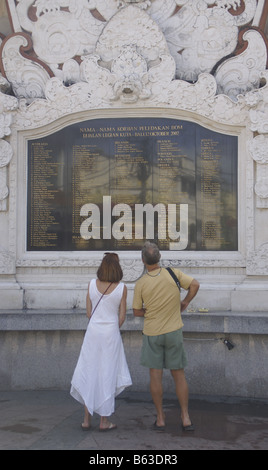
x,y
7,262
28,78
69,56
242,73
258,150
7,105
198,35
257,261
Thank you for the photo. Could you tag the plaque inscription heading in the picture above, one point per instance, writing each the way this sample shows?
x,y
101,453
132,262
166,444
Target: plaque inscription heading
x,y
110,184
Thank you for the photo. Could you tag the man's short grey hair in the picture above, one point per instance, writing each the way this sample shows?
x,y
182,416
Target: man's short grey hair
x,y
150,253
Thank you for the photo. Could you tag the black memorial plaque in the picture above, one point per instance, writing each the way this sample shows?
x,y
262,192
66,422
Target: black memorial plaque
x,y
110,184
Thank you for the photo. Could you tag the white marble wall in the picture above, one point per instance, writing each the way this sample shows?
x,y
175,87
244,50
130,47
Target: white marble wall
x,y
123,58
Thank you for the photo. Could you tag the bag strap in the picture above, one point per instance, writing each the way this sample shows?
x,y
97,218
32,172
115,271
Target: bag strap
x,y
174,277
100,300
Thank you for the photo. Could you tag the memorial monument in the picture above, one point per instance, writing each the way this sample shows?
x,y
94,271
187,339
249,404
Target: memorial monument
x,y
123,121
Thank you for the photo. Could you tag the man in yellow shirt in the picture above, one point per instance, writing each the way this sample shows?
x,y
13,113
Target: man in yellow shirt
x,y
157,299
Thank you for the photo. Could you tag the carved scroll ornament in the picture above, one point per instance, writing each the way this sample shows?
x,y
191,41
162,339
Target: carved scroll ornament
x,y
198,35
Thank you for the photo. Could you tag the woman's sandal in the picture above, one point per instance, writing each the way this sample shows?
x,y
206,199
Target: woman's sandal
x,y
190,427
110,427
158,428
85,428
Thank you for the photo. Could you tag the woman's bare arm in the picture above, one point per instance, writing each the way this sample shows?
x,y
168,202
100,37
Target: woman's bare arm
x,y
88,304
123,307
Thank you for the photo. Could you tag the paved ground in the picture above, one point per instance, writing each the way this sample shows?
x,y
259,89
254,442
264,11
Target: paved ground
x,y
50,420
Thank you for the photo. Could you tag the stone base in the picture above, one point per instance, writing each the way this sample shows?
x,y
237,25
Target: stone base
x,y
39,350
11,296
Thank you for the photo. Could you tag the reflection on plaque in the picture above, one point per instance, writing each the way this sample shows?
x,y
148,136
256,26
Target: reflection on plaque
x,y
110,184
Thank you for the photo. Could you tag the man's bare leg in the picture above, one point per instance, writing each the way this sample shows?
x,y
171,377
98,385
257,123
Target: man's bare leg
x,y
157,394
182,394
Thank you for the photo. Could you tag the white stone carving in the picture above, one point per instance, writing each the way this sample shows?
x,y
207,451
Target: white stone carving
x,y
28,78
7,262
3,185
258,103
257,263
130,69
198,35
6,153
117,34
70,72
5,123
258,148
5,158
7,105
242,73
104,89
5,86
142,3
60,35
132,268
58,41
261,186
112,54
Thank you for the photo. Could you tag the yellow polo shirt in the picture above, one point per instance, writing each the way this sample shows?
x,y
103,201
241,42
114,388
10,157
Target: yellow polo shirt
x,y
159,295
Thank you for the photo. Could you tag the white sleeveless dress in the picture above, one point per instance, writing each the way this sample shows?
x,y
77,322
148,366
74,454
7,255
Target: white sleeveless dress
x,y
101,372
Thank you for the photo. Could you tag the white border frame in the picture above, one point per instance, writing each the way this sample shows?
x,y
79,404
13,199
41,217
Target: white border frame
x,y
76,258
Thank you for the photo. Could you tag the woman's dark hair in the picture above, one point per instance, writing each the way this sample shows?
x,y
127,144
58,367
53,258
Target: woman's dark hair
x,y
110,269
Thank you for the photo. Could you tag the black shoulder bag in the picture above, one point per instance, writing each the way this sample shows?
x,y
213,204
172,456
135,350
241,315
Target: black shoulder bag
x,y
174,277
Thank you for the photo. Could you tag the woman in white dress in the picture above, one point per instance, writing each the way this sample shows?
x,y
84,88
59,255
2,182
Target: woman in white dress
x,y
102,372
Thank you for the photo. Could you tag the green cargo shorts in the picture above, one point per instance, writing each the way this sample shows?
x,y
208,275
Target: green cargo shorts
x,y
164,351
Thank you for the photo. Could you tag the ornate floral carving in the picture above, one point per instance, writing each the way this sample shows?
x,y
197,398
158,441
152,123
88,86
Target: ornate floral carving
x,y
118,33
3,186
261,187
258,148
5,86
257,262
242,73
130,70
258,113
5,158
132,269
61,29
198,43
5,123
142,3
6,153
28,78
198,35
7,104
